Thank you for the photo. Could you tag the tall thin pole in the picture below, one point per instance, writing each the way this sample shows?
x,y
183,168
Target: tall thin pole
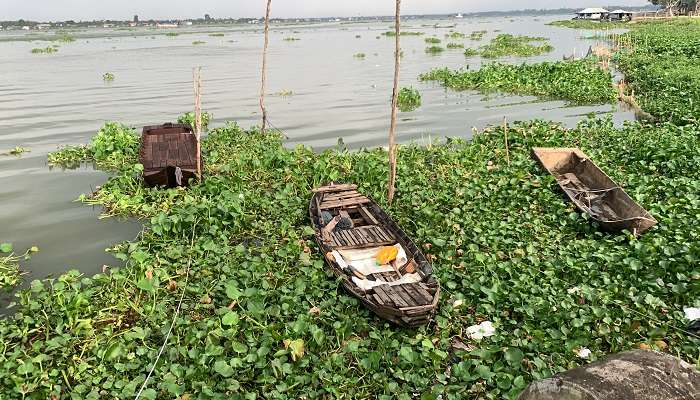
x,y
197,78
394,101
264,67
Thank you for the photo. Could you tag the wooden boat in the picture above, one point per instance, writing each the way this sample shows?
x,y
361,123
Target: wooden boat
x,y
593,191
350,226
168,154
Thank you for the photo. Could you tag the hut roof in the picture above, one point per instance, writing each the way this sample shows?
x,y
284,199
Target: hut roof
x,y
620,11
593,10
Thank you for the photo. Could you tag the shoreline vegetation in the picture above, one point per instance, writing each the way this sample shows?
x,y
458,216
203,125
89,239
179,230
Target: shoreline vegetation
x,y
260,316
578,82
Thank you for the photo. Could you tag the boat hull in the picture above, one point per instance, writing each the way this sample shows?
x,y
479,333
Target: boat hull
x,y
594,192
388,302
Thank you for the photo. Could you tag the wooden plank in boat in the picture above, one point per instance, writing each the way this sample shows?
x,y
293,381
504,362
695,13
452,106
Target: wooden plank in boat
x,y
386,298
346,202
421,297
335,188
340,195
406,295
395,297
424,293
368,216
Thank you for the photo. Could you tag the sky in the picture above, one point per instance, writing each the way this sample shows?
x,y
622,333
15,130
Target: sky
x,y
52,10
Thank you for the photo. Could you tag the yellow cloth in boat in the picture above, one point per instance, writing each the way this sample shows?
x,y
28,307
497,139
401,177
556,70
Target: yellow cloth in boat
x,y
365,260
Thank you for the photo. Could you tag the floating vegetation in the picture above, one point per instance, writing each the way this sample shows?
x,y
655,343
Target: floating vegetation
x,y
360,55
404,33
284,93
588,24
455,35
45,50
455,46
358,36
469,52
477,35
291,39
198,42
16,151
578,82
432,40
64,37
114,146
661,63
188,118
409,99
220,34
521,46
10,274
434,49
172,34
108,77
259,314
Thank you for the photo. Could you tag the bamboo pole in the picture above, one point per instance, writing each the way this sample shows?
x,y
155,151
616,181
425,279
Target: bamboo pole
x,y
394,101
264,67
197,80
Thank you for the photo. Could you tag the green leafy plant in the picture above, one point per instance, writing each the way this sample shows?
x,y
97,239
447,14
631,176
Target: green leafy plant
x,y
589,24
579,82
291,39
259,313
16,151
403,33
188,119
172,34
409,99
218,34
198,42
455,35
45,50
455,45
360,55
108,77
114,146
434,49
477,35
469,52
432,40
10,273
521,46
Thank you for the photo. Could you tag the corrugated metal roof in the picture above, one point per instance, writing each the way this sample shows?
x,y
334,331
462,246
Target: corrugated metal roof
x,y
593,11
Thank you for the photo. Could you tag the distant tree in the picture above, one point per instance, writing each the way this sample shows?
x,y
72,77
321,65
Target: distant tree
x,y
681,6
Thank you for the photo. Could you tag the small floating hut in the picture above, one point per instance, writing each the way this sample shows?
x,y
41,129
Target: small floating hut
x,y
169,155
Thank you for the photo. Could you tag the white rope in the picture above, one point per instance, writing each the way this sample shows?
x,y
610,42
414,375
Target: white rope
x,y
172,324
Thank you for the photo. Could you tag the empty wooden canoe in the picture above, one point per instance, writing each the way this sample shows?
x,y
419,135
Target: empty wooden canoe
x,y
354,233
168,154
593,191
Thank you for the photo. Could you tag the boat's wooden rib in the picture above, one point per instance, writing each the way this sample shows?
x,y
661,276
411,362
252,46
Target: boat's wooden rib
x,y
404,303
594,192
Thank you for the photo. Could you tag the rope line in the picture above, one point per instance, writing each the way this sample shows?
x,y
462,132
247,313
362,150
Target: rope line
x,y
172,324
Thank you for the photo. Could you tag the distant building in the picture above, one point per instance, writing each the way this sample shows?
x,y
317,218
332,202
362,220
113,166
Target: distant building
x,y
136,19
620,15
165,25
207,17
592,14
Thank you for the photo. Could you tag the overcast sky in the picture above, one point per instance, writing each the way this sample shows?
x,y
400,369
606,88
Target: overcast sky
x,y
46,10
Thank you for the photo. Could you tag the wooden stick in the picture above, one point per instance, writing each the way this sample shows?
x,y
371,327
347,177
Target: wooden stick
x,y
394,104
197,78
264,67
505,133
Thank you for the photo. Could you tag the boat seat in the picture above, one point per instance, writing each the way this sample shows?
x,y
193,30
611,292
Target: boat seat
x,y
403,296
363,236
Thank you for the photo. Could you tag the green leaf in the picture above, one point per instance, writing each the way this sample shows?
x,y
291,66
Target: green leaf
x,y
6,248
514,356
232,291
230,319
223,368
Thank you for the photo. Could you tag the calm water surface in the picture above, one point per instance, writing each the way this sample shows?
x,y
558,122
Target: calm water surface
x,y
51,100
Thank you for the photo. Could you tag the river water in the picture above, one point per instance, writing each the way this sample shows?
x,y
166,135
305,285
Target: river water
x,y
51,100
